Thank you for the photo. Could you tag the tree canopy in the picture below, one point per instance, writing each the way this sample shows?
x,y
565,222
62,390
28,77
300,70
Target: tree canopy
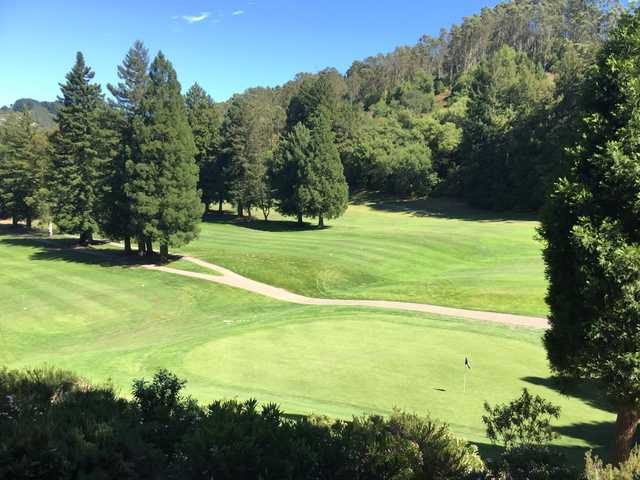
x,y
592,239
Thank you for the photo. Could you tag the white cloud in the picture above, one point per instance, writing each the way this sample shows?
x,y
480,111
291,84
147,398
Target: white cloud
x,y
195,18
238,12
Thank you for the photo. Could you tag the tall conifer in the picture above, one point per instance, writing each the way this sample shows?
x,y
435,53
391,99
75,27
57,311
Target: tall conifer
x,y
324,192
205,121
162,176
20,168
129,92
80,153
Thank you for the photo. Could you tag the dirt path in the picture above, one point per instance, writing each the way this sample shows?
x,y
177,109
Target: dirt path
x,y
229,278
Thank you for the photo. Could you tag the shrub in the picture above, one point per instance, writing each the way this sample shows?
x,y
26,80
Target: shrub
x,y
524,428
595,469
524,421
529,462
52,425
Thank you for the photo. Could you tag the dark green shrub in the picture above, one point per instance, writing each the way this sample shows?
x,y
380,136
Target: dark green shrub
x,y
523,426
533,463
524,421
52,425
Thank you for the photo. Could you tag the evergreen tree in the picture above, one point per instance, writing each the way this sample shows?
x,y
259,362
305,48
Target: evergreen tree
x,y
81,151
129,93
500,167
234,155
315,93
162,176
592,231
288,168
20,168
205,122
323,190
250,132
134,77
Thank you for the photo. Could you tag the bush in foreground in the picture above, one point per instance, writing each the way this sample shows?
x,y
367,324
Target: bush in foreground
x,y
595,469
52,425
523,427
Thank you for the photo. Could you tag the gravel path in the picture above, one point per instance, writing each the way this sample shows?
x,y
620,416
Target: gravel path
x,y
229,278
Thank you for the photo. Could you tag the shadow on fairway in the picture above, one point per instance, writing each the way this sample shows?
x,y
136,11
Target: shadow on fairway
x,y
67,250
260,224
447,208
598,434
585,391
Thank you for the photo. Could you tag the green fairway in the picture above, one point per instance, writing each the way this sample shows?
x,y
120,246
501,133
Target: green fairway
x,y
434,251
85,312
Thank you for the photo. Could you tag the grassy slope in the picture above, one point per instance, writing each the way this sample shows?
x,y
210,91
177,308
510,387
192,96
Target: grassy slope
x,y
431,252
77,311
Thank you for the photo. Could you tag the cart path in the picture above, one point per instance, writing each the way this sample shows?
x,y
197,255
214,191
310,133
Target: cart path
x,y
232,279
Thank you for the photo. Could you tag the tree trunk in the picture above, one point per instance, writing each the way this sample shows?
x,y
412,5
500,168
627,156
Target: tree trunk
x,y
127,245
626,426
14,221
164,251
320,221
86,238
299,218
220,206
240,210
149,247
28,222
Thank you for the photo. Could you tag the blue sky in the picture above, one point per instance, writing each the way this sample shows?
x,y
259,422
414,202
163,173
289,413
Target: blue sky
x,y
225,45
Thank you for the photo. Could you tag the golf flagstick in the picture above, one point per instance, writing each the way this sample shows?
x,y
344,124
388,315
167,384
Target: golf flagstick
x,y
467,366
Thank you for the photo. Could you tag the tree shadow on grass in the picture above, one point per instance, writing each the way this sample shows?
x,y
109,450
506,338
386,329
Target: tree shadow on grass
x,y
588,392
441,207
598,434
275,226
67,250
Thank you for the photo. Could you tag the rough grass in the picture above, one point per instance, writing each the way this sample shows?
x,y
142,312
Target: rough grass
x,y
93,315
433,251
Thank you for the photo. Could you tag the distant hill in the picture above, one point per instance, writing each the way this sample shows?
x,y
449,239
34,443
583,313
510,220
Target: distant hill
x,y
43,112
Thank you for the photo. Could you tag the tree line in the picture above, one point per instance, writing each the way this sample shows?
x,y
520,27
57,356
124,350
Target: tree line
x,y
145,166
482,112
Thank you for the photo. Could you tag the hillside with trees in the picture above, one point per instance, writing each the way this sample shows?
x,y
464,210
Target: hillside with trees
x,y
42,113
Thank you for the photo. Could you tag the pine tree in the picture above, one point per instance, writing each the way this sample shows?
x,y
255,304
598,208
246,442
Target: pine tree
x,y
162,176
20,168
129,93
134,77
205,122
250,132
288,169
80,154
323,191
315,93
235,132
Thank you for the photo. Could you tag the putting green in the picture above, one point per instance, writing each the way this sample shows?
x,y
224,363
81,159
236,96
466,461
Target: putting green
x,y
90,314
